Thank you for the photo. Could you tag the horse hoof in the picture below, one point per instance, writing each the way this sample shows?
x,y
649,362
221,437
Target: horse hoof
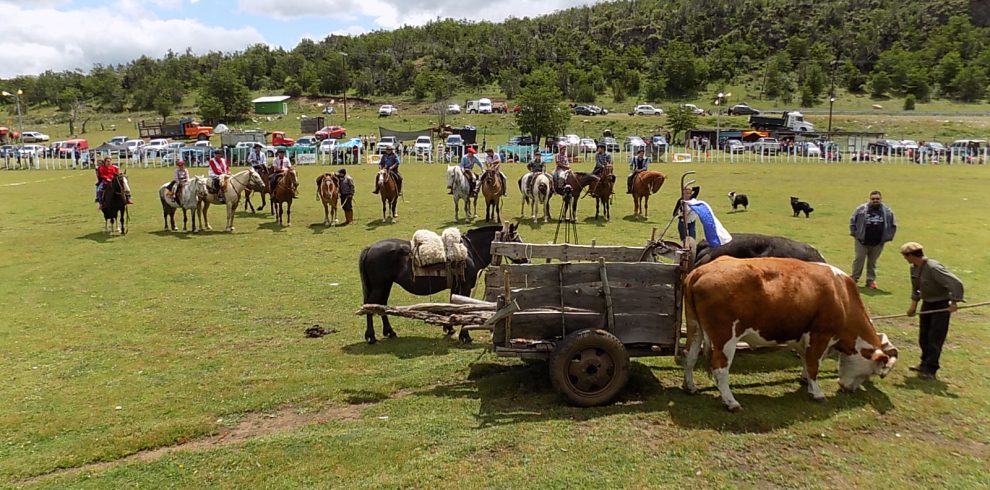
x,y
371,340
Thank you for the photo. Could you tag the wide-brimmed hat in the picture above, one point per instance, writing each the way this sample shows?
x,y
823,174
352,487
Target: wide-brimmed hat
x,y
280,150
472,151
342,171
490,150
258,145
218,150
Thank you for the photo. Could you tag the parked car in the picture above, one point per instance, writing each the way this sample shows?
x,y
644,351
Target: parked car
x,y
155,147
133,147
633,143
734,146
588,145
69,148
387,110
327,145
8,151
31,151
909,146
766,146
329,110
694,109
808,149
336,132
931,150
523,140
885,147
658,144
33,137
307,141
423,145
611,144
384,143
453,108
598,110
583,110
743,110
647,110
118,140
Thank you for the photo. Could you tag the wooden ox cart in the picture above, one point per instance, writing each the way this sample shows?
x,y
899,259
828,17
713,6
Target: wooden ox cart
x,y
586,313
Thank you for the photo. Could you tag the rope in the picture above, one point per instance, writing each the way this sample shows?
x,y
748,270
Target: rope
x,y
963,307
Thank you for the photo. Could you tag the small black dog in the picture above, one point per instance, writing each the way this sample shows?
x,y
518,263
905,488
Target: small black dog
x,y
799,206
738,200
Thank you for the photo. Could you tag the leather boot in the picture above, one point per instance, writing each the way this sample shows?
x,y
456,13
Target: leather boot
x,y
349,216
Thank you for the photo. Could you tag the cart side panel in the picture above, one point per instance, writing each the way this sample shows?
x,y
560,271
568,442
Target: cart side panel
x,y
621,274
546,325
646,328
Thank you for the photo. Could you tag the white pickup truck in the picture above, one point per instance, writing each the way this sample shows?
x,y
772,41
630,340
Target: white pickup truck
x,y
387,110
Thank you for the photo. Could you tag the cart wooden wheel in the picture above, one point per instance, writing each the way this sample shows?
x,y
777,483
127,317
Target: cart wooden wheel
x,y
589,367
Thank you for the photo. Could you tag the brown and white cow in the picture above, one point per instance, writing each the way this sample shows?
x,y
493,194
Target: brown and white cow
x,y
773,301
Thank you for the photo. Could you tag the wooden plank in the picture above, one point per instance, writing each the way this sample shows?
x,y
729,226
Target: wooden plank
x,y
620,274
547,324
607,291
646,328
591,296
567,252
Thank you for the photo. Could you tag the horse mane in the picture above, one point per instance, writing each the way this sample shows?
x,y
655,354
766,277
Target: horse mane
x,y
655,180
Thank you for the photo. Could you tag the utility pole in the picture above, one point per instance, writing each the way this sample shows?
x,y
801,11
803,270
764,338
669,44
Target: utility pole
x,y
343,62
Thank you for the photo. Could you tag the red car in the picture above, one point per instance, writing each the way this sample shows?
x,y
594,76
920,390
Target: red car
x,y
335,132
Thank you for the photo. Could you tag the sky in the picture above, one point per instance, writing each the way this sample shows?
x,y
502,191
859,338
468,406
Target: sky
x,y
57,35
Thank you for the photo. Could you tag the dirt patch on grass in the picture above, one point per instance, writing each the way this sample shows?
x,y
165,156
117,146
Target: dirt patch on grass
x,y
251,426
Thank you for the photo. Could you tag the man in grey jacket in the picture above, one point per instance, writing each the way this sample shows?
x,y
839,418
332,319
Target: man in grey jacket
x,y
939,292
872,225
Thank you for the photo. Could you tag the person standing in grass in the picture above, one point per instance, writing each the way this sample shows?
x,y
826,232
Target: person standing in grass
x,y
346,188
938,290
871,225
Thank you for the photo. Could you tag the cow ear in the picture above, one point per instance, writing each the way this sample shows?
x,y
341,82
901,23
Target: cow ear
x,y
879,357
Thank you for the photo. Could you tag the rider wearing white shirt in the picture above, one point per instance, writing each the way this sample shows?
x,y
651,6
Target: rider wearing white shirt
x,y
493,162
280,165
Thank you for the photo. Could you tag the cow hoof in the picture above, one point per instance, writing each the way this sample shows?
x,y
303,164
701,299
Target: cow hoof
x,y
734,408
691,390
819,399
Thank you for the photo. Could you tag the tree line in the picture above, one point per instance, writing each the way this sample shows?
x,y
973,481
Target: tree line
x,y
797,51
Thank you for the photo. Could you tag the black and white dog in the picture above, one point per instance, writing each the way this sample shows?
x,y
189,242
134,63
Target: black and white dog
x,y
738,200
800,206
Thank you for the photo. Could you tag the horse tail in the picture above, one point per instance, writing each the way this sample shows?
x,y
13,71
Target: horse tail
x,y
364,273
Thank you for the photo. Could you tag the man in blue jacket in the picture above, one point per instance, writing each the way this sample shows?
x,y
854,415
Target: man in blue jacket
x,y
872,225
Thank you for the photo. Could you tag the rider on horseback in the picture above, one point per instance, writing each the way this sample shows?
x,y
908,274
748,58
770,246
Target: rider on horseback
x,y
257,158
390,162
535,166
467,164
104,175
218,171
602,159
492,163
638,164
563,167
179,180
280,166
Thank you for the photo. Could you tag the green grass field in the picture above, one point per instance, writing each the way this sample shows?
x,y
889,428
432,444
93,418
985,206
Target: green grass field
x,y
169,359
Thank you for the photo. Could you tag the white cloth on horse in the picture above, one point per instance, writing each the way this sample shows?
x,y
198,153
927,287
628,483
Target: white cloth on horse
x,y
454,246
427,248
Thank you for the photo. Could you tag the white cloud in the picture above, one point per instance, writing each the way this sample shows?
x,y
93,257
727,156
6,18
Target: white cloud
x,y
39,39
389,14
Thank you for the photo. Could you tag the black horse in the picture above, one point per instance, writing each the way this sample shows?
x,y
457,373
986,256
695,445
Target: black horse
x,y
114,204
389,261
750,245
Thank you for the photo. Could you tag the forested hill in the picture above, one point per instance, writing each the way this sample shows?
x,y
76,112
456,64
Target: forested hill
x,y
643,50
